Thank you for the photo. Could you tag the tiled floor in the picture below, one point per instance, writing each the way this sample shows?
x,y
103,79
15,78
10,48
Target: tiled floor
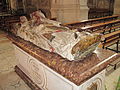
x,y
9,80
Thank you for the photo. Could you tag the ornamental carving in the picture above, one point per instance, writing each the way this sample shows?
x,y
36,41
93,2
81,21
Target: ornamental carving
x,y
94,86
37,73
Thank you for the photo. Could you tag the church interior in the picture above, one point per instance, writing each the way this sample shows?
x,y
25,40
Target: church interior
x,y
59,45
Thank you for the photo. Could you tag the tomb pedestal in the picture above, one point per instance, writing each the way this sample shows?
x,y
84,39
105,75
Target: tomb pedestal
x,y
40,77
44,70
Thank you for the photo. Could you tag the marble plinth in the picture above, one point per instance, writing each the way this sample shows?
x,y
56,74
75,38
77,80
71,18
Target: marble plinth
x,y
38,76
77,73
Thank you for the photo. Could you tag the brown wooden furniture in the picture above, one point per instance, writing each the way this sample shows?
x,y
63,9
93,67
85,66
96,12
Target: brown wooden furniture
x,y
84,23
102,27
111,31
7,20
110,39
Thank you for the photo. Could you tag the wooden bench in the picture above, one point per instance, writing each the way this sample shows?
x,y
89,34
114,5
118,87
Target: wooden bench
x,y
7,20
110,39
102,27
9,24
113,35
89,22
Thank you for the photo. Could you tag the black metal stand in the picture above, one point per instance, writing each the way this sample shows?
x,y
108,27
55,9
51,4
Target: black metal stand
x,y
115,50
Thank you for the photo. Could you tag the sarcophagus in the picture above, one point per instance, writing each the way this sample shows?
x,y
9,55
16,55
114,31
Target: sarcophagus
x,y
40,49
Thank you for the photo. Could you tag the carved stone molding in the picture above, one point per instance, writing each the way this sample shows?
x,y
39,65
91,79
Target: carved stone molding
x,y
94,86
35,72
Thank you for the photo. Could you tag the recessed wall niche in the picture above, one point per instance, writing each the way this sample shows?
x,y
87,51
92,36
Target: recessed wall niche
x,y
100,8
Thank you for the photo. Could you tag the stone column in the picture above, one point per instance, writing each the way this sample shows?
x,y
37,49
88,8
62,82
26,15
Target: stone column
x,y
13,4
117,7
83,10
24,6
54,8
72,10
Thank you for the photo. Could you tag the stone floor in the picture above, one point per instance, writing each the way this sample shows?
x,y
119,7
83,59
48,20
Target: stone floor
x,y
9,80
112,79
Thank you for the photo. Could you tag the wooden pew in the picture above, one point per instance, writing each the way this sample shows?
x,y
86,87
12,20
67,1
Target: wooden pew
x,y
110,39
7,20
102,27
83,23
113,35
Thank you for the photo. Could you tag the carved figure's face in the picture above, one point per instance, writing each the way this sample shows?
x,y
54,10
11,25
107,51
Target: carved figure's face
x,y
23,19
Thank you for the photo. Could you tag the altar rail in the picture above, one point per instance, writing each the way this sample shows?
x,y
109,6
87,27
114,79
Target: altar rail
x,y
84,23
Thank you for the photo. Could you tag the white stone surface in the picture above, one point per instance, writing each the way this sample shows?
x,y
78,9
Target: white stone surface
x,y
72,11
47,79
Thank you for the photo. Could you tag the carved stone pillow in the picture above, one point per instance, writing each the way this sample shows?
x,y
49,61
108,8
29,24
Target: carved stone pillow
x,y
37,18
23,19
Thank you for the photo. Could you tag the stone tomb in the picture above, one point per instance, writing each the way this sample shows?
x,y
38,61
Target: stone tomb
x,y
48,71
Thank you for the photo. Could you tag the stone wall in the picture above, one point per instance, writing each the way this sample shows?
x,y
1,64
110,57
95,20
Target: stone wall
x,y
117,7
72,10
100,4
44,5
100,8
64,10
67,11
